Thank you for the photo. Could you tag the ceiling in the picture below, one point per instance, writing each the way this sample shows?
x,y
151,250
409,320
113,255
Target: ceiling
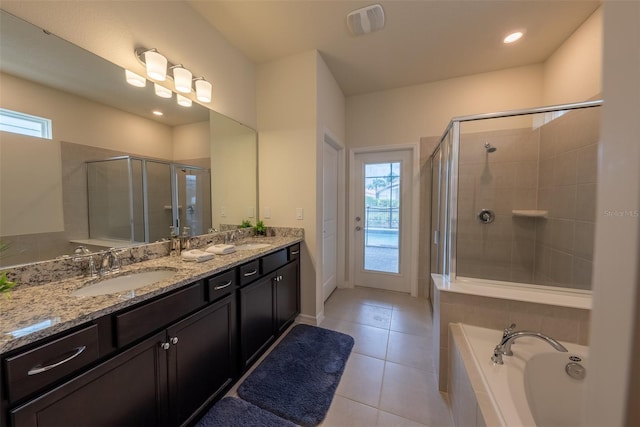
x,y
422,41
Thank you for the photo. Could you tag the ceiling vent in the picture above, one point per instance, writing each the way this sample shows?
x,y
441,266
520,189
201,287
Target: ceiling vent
x,y
366,20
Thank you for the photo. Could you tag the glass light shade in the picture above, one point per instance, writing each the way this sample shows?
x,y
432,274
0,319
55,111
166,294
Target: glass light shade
x,y
135,79
203,90
156,65
185,102
162,91
182,79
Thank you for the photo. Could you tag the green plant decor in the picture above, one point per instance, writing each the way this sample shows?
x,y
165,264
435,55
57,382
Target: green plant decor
x,y
261,229
246,224
5,284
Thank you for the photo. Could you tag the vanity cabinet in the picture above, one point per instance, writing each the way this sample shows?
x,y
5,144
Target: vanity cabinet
x,y
160,362
129,389
268,305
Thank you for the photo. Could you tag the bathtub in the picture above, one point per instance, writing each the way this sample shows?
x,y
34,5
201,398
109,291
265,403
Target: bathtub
x,y
532,388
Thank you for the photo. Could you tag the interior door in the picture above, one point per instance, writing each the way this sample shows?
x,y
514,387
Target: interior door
x,y
382,221
329,219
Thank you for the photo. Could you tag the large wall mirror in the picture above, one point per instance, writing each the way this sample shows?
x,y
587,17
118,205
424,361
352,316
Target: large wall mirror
x,y
108,153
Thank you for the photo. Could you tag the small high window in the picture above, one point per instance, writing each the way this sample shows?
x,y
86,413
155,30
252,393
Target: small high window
x,y
24,124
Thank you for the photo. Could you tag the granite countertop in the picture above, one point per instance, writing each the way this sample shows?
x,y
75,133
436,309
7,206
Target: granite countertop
x,y
35,312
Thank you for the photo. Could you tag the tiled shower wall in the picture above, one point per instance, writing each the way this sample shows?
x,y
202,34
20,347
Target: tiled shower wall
x,y
552,167
500,181
567,189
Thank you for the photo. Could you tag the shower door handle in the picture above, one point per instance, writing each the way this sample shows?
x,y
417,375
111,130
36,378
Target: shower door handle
x,y
358,228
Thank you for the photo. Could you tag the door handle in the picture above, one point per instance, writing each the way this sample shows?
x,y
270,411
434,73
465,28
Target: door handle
x,y
358,228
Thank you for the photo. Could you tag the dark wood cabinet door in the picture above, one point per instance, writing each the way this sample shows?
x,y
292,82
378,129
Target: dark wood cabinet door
x,y
287,295
202,358
256,318
127,390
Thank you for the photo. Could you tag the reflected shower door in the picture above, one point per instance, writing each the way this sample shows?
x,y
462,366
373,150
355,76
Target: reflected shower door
x,y
193,187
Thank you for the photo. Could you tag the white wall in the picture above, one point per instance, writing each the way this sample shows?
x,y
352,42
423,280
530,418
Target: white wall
x,y
617,240
573,72
287,120
113,29
404,115
191,141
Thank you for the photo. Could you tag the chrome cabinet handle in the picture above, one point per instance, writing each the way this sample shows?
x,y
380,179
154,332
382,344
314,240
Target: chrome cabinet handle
x,y
217,288
165,345
174,340
251,273
295,252
39,369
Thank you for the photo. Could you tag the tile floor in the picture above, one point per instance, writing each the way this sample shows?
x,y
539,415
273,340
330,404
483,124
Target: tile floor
x,y
390,378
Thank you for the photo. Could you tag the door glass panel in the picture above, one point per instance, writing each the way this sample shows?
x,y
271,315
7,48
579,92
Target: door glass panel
x,y
382,217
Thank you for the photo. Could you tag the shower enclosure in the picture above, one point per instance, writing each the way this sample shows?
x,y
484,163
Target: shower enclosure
x,y
136,200
513,196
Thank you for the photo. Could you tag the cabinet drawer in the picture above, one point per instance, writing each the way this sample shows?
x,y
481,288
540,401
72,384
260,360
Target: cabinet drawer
x,y
154,315
249,272
221,285
273,261
294,252
43,365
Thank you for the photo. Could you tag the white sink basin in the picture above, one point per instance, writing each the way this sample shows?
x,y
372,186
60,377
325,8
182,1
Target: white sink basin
x,y
251,246
123,282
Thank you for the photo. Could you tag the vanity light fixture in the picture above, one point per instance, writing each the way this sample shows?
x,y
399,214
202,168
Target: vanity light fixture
x,y
513,37
183,100
135,79
158,68
181,78
203,89
162,91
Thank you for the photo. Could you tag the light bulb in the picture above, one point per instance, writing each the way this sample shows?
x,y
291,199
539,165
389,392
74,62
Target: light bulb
x,y
513,37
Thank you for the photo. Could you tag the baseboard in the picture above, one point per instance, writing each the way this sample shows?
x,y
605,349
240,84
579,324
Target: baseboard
x,y
310,320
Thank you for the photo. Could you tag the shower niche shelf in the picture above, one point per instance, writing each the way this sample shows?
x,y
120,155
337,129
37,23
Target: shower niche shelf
x,y
530,213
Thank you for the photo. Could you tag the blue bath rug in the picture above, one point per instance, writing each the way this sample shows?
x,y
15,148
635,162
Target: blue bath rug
x,y
232,412
297,380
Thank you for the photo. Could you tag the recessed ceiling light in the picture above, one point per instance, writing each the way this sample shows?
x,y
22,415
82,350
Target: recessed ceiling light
x,y
158,113
513,37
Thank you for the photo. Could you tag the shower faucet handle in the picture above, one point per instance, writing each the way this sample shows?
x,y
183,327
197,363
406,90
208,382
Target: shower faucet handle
x,y
506,331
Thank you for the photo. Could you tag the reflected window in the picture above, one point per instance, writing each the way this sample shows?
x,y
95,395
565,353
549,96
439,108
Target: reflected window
x,y
24,124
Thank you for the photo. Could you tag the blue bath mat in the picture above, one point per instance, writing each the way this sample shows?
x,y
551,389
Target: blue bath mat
x,y
297,380
232,412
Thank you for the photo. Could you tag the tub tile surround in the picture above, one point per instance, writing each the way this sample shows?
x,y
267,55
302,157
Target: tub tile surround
x,y
566,320
41,305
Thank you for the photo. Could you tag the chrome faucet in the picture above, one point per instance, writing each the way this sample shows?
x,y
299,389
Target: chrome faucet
x,y
509,336
82,253
110,262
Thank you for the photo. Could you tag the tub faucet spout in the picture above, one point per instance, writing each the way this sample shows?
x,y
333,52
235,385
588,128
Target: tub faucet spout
x,y
504,348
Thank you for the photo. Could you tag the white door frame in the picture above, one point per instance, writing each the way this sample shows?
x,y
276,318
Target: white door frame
x,y
329,138
415,210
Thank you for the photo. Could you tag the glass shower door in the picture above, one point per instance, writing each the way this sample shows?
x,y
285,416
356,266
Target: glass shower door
x,y
193,198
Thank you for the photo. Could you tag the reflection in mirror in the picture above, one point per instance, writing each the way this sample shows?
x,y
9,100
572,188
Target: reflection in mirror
x,y
95,115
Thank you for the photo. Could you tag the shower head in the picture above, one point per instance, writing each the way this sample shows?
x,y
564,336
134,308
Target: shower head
x,y
489,147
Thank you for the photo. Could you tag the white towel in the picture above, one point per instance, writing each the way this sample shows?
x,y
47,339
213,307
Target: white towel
x,y
221,249
196,255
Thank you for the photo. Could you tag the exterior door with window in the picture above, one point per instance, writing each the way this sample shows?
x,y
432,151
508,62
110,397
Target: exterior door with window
x,y
382,221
